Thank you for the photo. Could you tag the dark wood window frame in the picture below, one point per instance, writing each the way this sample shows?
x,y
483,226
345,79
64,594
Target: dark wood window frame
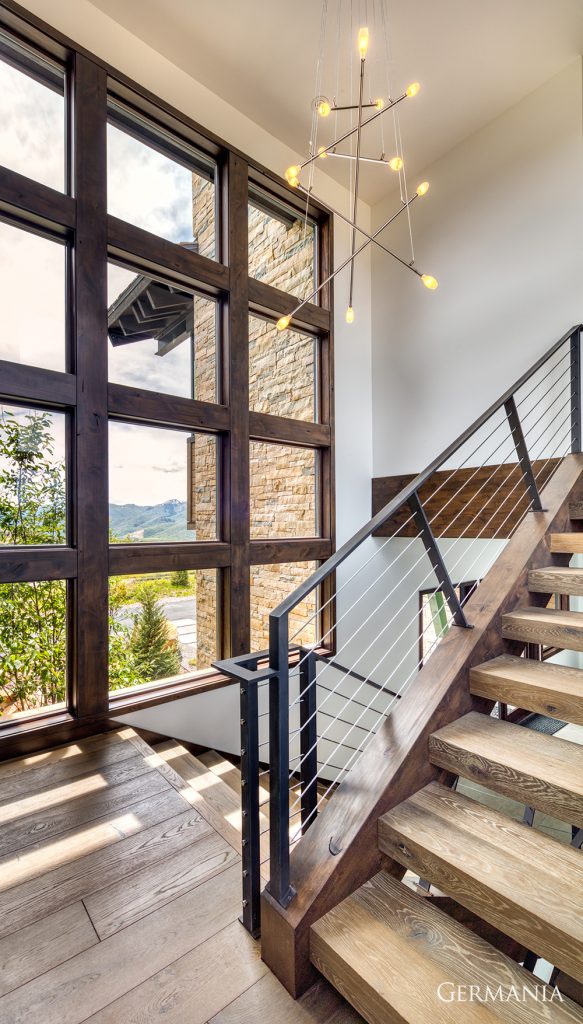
x,y
80,219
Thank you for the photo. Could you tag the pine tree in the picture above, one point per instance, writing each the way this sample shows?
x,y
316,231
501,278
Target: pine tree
x,y
156,652
180,578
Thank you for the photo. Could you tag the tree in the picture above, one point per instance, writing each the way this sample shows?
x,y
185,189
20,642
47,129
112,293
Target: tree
x,y
180,578
156,651
32,615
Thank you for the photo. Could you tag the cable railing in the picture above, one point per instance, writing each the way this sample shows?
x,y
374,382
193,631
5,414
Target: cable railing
x,y
309,710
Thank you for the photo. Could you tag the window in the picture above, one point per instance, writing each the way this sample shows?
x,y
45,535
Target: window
x,y
282,246
165,453
162,626
435,617
32,476
282,371
270,584
160,336
283,491
159,183
33,640
162,485
32,115
33,304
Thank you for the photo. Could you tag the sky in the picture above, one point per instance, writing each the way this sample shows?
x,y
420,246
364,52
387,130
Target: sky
x,y
147,465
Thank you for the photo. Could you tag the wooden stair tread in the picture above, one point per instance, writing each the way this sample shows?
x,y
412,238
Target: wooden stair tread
x,y
522,882
576,510
566,543
539,771
556,579
388,950
553,626
540,686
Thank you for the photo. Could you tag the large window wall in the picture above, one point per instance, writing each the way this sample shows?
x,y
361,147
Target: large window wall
x,y
166,455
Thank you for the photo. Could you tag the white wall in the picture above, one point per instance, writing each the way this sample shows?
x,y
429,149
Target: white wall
x,y
501,230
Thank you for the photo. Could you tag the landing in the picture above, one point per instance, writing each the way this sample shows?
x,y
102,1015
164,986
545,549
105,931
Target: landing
x,y
120,902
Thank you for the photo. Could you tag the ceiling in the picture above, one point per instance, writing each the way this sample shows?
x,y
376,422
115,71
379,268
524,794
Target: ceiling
x,y
474,59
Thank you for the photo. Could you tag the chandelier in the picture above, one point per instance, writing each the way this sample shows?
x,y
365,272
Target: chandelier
x,y
348,144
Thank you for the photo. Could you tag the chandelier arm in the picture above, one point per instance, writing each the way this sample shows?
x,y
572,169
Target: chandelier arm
x,y
365,159
351,131
356,180
365,106
351,258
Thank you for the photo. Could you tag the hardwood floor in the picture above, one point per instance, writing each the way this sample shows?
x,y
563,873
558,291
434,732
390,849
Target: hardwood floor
x,y
121,900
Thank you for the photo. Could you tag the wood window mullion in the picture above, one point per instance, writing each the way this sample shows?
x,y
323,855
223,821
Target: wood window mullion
x,y
90,476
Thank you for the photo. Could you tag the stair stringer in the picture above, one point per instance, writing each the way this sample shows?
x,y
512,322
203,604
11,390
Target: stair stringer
x,y
340,852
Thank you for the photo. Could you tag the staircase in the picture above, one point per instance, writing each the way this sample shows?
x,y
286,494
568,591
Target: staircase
x,y
389,950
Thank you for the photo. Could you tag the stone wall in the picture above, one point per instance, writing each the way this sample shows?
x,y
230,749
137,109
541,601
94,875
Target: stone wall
x,y
281,382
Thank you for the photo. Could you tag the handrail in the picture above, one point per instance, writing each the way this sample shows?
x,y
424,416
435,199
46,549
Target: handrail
x,y
407,492
300,738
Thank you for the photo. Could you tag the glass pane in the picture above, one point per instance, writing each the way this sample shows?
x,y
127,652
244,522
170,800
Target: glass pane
x,y
32,117
283,491
160,337
162,485
32,476
159,183
32,295
282,247
161,626
33,641
282,371
270,584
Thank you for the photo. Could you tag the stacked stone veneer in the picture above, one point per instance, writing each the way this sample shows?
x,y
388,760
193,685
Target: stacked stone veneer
x,y
281,382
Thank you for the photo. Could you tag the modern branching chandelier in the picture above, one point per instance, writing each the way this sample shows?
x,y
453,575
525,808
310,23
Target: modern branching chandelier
x,y
349,142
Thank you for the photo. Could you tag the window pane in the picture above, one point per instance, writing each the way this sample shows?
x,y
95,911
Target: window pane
x,y
161,626
33,640
270,584
162,484
32,476
160,337
32,294
282,371
32,117
283,491
282,247
159,183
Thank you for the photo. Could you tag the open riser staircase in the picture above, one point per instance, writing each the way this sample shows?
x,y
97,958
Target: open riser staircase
x,y
401,874
389,950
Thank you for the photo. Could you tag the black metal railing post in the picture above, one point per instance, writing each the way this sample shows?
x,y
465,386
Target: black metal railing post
x,y
576,391
443,578
308,740
250,822
522,452
279,874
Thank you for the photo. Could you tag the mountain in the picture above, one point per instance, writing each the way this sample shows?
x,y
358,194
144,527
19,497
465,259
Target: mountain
x,y
164,522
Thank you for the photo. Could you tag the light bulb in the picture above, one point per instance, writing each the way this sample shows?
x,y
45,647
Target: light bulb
x,y
396,163
324,108
292,172
413,89
429,282
349,315
379,104
283,322
362,42
293,182
322,152
423,188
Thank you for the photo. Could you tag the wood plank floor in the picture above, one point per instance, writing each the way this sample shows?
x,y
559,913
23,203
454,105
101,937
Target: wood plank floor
x,y
120,901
